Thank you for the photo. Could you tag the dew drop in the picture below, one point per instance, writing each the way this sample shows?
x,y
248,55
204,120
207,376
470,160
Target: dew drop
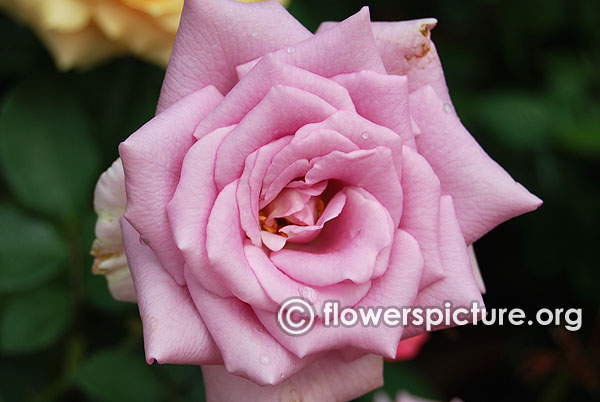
x,y
308,293
447,108
291,49
143,242
365,135
254,34
265,360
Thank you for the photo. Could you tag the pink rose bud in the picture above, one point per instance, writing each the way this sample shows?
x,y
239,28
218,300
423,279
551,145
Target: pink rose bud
x,y
284,164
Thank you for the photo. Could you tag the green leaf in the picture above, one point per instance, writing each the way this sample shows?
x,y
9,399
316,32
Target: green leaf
x,y
582,137
403,376
31,251
33,321
517,119
46,150
98,295
114,376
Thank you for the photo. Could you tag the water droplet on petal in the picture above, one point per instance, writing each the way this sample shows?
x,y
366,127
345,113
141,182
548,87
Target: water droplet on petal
x,y
308,293
143,242
265,360
365,135
281,375
254,34
447,108
291,49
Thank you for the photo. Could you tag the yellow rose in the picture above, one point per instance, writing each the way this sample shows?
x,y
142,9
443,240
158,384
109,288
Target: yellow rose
x,y
81,33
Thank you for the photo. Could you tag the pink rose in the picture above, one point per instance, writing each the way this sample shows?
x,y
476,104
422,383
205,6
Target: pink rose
x,y
281,163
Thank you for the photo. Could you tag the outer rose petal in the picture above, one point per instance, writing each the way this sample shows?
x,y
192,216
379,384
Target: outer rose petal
x,y
269,72
173,330
421,212
242,31
191,204
347,48
484,194
406,49
247,348
152,159
458,286
329,379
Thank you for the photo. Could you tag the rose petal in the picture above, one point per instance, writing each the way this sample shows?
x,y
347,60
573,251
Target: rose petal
x,y
329,379
191,205
304,146
152,159
242,32
173,331
484,194
224,245
247,349
304,234
371,169
254,87
406,49
396,287
346,48
248,191
110,201
421,212
269,120
382,99
361,132
347,247
458,286
280,287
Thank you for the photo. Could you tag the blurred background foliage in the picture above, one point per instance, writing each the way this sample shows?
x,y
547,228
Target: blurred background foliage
x,y
524,78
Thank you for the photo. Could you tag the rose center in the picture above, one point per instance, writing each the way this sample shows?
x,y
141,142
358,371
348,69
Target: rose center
x,y
291,208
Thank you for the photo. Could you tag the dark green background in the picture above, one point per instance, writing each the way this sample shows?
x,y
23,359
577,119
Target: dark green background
x,y
524,78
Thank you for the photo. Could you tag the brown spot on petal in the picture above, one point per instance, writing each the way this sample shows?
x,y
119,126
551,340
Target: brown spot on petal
x,y
424,29
99,258
420,51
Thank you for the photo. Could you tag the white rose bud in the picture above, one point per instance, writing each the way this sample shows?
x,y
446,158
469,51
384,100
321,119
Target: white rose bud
x,y
110,201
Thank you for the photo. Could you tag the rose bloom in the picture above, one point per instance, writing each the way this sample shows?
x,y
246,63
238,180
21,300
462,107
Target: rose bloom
x,y
281,163
81,33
